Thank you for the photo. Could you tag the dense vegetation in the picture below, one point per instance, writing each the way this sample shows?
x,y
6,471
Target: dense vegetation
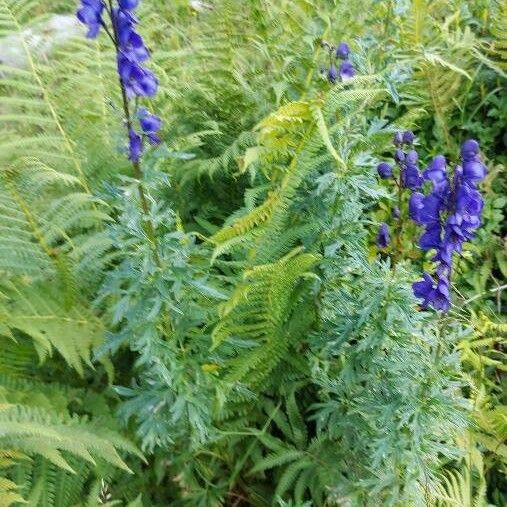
x,y
235,335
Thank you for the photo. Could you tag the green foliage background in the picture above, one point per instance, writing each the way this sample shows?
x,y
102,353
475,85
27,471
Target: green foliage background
x,y
274,357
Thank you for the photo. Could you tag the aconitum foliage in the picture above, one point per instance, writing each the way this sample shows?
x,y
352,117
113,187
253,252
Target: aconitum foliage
x,y
131,53
450,214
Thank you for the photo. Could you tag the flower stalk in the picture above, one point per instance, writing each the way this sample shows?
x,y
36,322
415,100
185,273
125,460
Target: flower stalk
x,y
135,81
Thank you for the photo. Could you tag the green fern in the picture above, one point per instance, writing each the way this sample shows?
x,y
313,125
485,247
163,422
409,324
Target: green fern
x,y
499,31
259,311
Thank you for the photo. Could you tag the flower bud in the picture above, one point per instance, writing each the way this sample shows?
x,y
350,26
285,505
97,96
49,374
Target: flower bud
x,y
384,170
383,238
408,137
342,50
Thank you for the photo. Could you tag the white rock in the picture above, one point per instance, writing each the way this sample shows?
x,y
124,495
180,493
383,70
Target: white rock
x,y
40,39
199,6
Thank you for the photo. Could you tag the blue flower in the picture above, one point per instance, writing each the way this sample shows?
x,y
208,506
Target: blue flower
x,y
137,80
150,124
125,24
134,48
435,295
90,14
398,139
332,73
431,236
469,203
411,177
425,210
384,170
131,52
128,4
383,238
342,50
399,155
347,70
462,203
135,146
412,157
441,299
436,173
473,171
415,205
469,149
408,137
424,289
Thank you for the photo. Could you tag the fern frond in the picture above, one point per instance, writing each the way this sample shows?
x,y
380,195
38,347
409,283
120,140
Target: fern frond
x,y
14,14
499,31
39,312
259,310
8,495
35,431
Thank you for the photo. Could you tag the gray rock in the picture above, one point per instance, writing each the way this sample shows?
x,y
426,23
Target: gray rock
x,y
40,38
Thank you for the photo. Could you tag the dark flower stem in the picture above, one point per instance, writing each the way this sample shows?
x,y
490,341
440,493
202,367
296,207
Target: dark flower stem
x,y
138,173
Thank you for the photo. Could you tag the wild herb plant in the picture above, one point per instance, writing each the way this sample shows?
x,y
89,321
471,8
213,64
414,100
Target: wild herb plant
x,y
218,297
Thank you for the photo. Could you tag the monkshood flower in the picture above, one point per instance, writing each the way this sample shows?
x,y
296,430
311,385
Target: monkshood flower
x,y
409,175
383,238
450,213
385,170
138,82
135,145
346,70
408,137
342,51
332,73
90,14
128,4
435,295
425,210
150,124
131,52
398,139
